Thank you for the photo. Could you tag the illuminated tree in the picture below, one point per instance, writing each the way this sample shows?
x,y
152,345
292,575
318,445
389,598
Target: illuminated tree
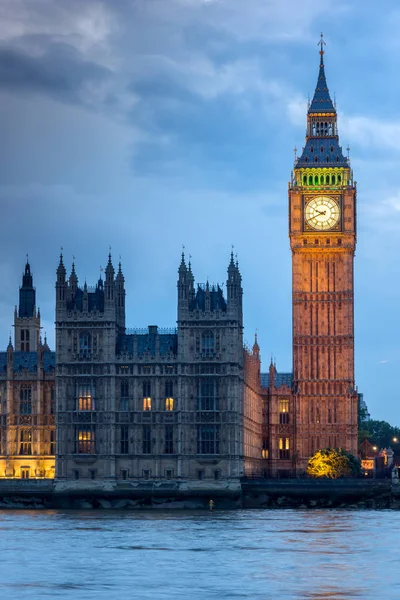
x,y
333,463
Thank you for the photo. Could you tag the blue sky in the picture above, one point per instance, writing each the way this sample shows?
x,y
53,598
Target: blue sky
x,y
148,124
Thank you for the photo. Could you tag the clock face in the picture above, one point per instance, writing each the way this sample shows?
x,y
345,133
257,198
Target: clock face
x,y
322,213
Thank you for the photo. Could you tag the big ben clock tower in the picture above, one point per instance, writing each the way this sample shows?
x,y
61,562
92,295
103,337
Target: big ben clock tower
x,y
322,230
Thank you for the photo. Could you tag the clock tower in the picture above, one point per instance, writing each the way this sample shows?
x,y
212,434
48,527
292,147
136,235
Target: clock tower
x,y
322,231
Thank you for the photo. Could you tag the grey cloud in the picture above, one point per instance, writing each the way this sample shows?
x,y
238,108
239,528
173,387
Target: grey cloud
x,y
60,71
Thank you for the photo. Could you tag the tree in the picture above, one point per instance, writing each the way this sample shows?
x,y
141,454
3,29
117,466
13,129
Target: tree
x,y
380,432
333,463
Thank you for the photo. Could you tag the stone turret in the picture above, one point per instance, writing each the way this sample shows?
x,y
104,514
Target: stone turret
x,y
26,319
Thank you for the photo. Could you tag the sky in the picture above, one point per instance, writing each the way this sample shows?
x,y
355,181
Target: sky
x,y
148,125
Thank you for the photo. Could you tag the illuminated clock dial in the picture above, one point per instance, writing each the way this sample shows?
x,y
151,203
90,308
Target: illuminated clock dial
x,y
322,213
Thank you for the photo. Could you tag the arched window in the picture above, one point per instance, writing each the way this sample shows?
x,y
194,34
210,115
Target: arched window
x,y
207,342
328,180
312,149
327,159
25,401
333,180
316,180
305,179
322,180
316,159
310,180
339,178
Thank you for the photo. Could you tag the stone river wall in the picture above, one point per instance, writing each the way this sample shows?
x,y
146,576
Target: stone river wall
x,y
230,494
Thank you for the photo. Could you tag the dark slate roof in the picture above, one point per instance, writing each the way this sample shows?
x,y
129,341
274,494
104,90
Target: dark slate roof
x,y
29,360
321,101
217,300
95,299
325,150
3,362
146,343
49,361
280,379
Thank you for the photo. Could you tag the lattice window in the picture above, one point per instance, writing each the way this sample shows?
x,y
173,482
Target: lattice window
x,y
169,439
208,439
25,441
146,439
124,439
25,401
169,395
283,412
52,441
284,448
207,343
208,394
85,396
85,440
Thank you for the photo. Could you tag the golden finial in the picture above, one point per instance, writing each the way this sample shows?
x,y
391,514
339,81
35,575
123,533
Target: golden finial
x,y
321,43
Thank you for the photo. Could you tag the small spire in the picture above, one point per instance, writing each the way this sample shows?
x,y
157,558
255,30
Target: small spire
x,y
321,44
321,102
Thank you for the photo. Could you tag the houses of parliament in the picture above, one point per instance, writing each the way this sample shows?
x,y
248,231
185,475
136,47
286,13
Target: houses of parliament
x,y
192,403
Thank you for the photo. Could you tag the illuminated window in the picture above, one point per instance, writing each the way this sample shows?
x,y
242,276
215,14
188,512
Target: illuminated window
x,y
169,439
25,401
146,395
169,404
86,440
208,439
124,437
283,412
169,395
264,450
207,343
85,397
25,445
53,441
284,448
146,439
207,394
147,403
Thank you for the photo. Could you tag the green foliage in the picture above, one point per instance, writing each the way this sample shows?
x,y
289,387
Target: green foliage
x,y
333,463
380,433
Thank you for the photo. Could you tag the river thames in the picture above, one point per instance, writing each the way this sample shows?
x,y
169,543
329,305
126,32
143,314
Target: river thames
x,y
255,554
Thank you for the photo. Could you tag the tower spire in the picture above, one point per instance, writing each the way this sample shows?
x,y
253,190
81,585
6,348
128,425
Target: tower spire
x,y
321,102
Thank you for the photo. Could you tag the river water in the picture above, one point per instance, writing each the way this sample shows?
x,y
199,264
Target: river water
x,y
255,554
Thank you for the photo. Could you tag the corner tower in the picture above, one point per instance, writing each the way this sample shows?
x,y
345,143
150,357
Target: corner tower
x,y
26,318
322,230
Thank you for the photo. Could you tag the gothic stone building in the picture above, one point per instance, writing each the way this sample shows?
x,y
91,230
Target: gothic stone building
x,y
191,403
153,403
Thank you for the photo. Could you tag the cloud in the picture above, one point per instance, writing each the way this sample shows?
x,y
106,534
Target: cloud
x,y
60,72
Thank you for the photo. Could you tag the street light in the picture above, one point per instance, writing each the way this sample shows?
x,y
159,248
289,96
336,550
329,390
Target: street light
x,y
395,440
374,448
